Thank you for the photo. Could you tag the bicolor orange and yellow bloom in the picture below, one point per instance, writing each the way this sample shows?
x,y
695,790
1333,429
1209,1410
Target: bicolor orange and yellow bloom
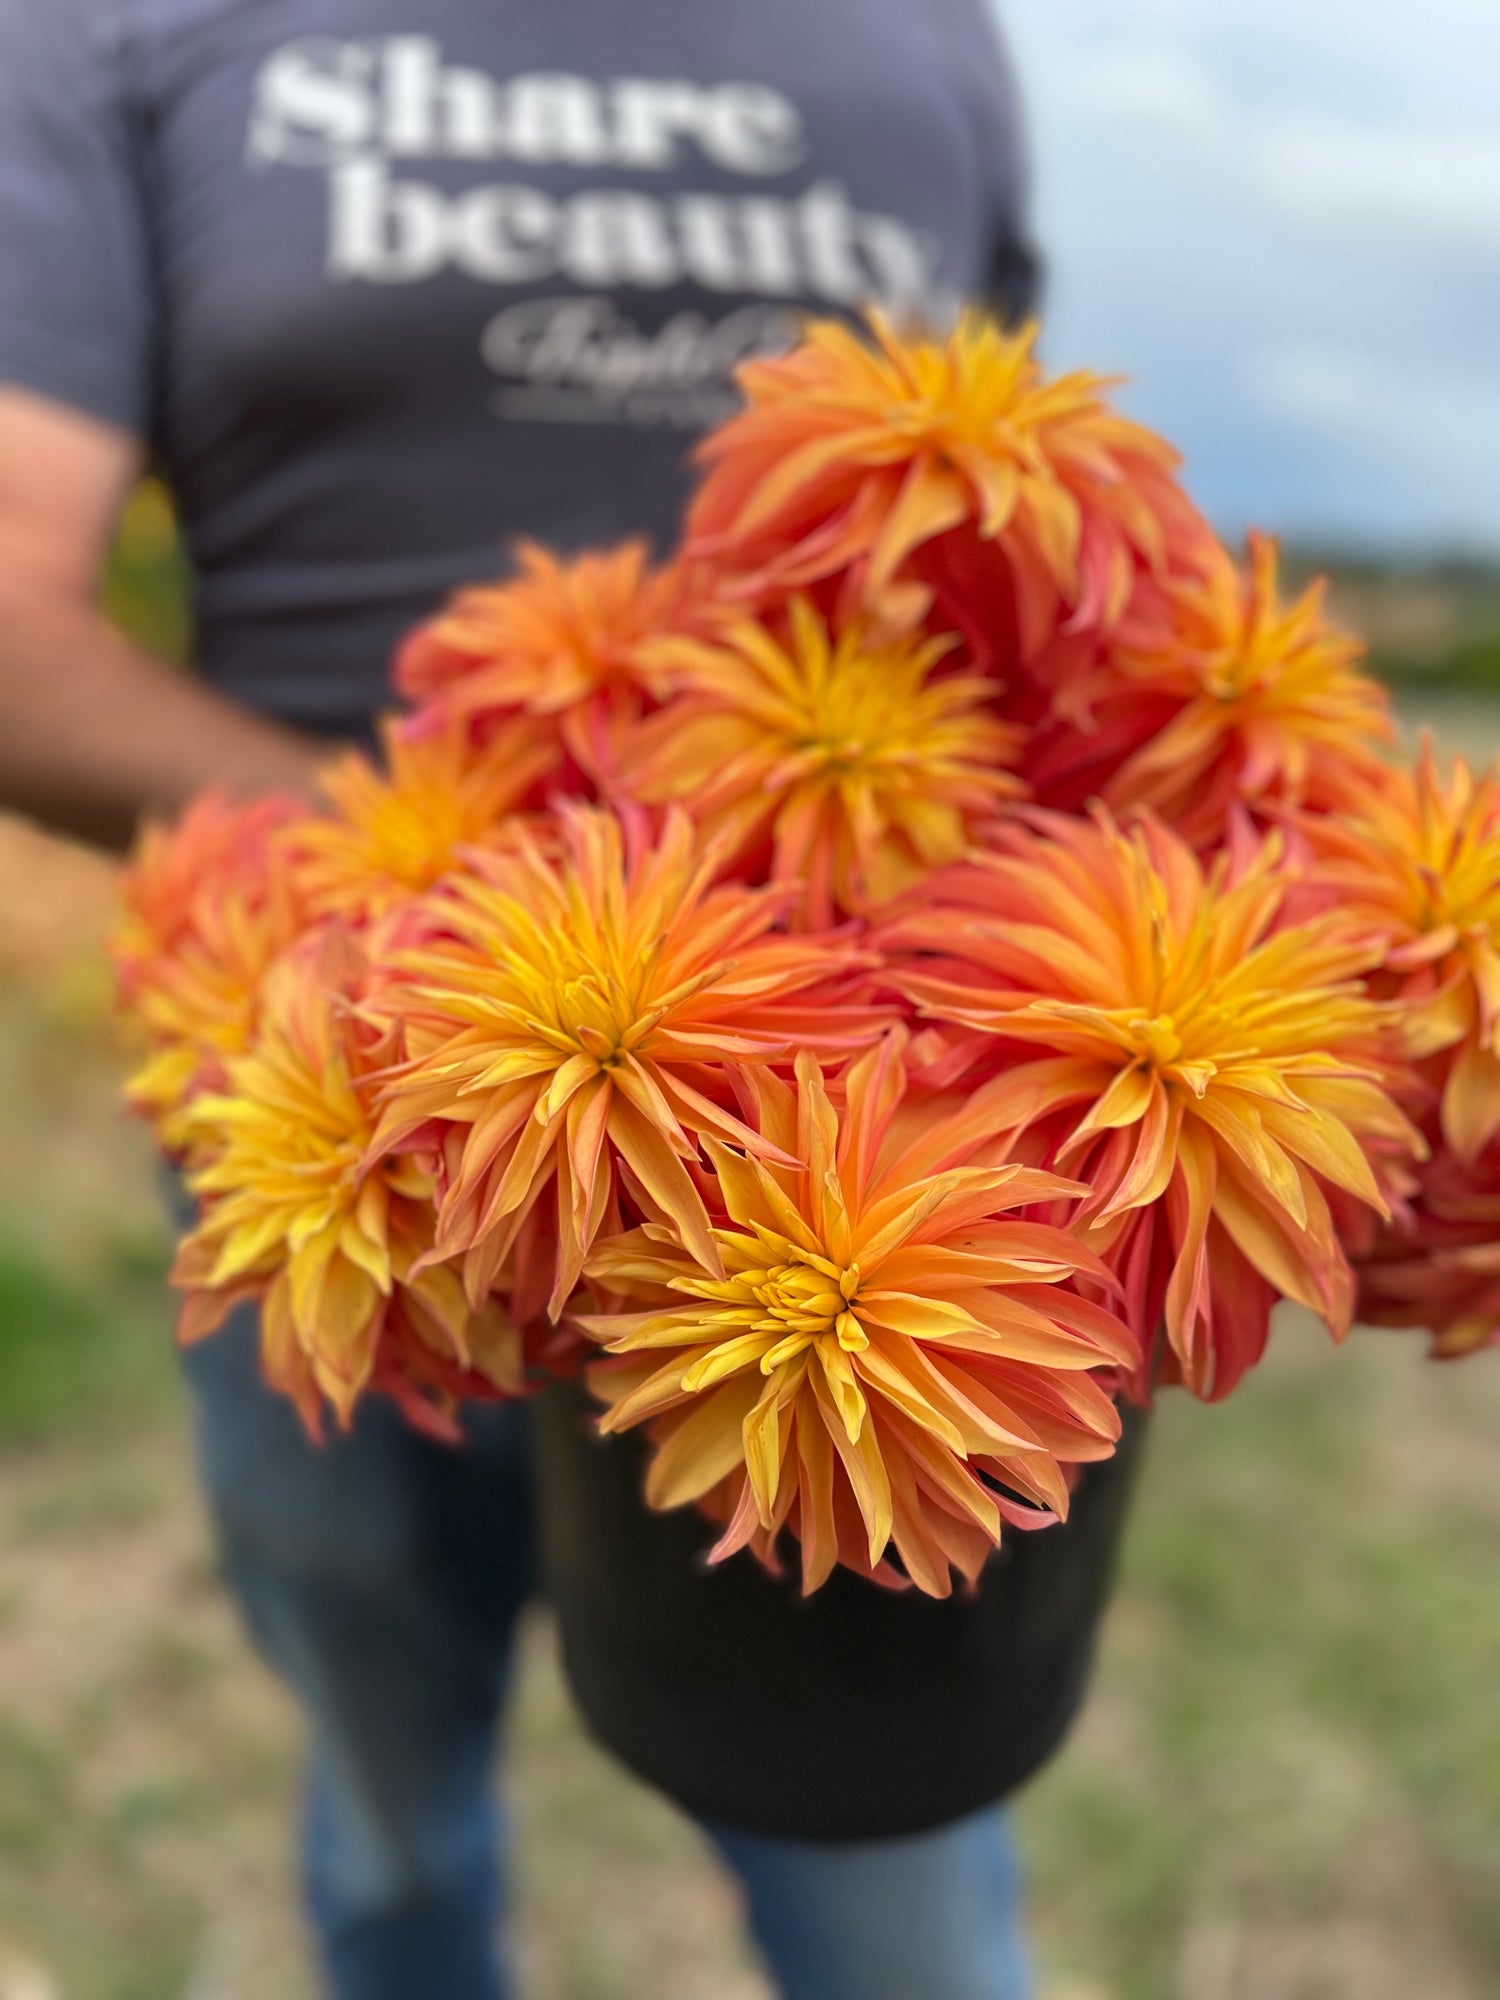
x,y
1218,1077
1417,858
858,762
331,1243
1273,710
566,640
578,1007
877,1358
393,832
858,453
207,906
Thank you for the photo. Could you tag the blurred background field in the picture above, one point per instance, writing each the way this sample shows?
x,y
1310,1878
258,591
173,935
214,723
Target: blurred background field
x,y
1287,1783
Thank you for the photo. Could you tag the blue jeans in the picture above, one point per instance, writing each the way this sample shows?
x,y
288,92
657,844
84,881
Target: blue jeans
x,y
382,1577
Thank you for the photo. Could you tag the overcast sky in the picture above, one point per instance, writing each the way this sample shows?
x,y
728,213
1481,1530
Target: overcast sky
x,y
1282,218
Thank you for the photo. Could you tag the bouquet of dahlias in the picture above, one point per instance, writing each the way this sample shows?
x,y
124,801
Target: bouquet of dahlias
x,y
944,954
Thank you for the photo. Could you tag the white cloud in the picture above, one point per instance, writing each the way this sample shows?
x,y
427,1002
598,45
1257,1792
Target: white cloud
x,y
1419,179
1282,218
1170,89
1320,169
1438,428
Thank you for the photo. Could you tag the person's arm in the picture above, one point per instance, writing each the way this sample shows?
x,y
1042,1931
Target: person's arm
x,y
93,731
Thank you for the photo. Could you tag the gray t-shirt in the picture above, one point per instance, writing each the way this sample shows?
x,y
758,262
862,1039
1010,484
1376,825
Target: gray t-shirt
x,y
386,283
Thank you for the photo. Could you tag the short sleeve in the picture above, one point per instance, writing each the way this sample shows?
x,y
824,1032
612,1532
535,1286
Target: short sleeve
x,y
1012,277
75,278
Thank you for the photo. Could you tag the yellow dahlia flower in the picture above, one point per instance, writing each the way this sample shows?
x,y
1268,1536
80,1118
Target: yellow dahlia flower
x,y
1273,707
1217,1076
394,833
855,761
869,451
872,1357
207,905
332,1242
1417,858
576,1008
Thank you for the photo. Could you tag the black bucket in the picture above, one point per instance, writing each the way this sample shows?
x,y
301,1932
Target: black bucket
x,y
857,1714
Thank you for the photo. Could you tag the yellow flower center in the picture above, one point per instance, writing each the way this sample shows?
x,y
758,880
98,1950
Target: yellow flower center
x,y
805,1299
412,838
1236,674
847,725
1159,1038
306,1152
856,708
289,1143
594,1003
594,1014
974,393
1456,873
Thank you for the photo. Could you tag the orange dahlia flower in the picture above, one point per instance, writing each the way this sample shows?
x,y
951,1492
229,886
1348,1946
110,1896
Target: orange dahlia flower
x,y
1417,857
576,1007
867,451
393,834
1436,1265
1215,1075
1272,708
207,905
866,1355
567,640
332,1243
855,761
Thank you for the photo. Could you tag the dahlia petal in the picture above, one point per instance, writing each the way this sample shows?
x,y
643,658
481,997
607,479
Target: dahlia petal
x,y
929,502
883,1372
1145,1179
1471,1101
958,1489
840,1378
1189,1300
372,1257
1329,1148
1266,1246
865,1469
764,1438
204,1312
917,1318
704,1446
923,1556
1240,1127
1014,1330
818,1523
662,1173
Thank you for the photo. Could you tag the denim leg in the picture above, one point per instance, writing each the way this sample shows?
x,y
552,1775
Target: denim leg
x,y
934,1917
381,1575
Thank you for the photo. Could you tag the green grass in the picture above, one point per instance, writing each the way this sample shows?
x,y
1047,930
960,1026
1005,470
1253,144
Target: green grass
x,y
1472,666
147,589
1298,1683
108,1930
70,1353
